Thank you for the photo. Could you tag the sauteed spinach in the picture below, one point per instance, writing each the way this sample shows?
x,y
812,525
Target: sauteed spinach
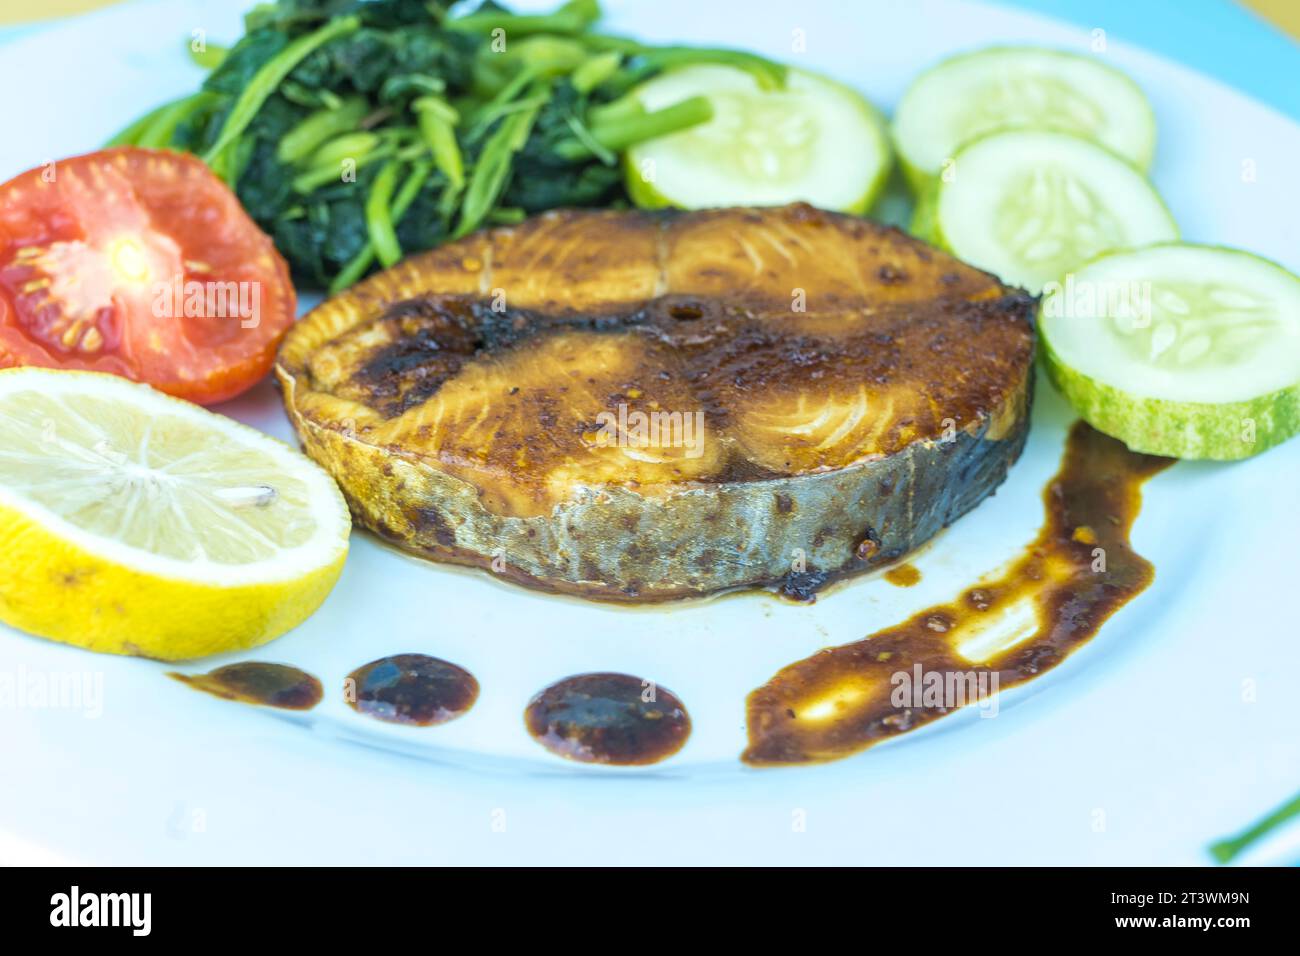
x,y
356,131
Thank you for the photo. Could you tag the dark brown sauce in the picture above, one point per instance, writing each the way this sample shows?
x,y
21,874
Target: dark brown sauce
x,y
607,718
256,682
1077,572
903,575
411,689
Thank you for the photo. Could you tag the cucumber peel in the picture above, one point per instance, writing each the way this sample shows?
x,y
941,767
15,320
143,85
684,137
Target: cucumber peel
x,y
924,224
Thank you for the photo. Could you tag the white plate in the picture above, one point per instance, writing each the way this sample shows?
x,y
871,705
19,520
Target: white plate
x,y
1174,726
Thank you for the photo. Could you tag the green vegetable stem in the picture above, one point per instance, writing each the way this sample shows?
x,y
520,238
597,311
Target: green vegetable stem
x,y
1227,850
265,82
358,131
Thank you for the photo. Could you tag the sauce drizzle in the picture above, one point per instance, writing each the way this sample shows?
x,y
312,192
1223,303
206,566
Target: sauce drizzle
x,y
608,718
1005,630
412,689
257,682
903,575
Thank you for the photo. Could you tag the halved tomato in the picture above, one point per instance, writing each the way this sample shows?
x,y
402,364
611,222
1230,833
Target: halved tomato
x,y
142,263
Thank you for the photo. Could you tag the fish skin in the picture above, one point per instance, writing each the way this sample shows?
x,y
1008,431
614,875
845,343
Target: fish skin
x,y
385,383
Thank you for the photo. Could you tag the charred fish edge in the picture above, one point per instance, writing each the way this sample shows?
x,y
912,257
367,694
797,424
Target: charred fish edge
x,y
616,544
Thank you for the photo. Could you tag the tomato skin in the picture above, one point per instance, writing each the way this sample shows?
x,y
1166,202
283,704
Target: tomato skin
x,y
141,263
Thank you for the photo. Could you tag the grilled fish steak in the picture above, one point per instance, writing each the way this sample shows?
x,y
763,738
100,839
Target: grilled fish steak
x,y
643,406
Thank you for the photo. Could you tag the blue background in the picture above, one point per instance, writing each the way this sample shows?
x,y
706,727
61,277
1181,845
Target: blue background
x,y
1218,37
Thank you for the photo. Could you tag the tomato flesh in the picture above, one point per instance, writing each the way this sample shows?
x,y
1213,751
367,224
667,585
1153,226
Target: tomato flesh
x,y
141,263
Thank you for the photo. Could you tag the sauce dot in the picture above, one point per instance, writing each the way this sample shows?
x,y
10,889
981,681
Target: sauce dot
x,y
411,689
903,575
608,718
256,682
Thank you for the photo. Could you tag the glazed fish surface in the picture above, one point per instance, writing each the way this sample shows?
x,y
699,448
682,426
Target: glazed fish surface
x,y
640,406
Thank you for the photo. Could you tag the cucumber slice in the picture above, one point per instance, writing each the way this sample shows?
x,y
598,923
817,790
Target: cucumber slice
x,y
1030,205
814,141
1176,349
970,95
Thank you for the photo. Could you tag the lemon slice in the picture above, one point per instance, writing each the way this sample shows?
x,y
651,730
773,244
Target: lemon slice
x,y
136,523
